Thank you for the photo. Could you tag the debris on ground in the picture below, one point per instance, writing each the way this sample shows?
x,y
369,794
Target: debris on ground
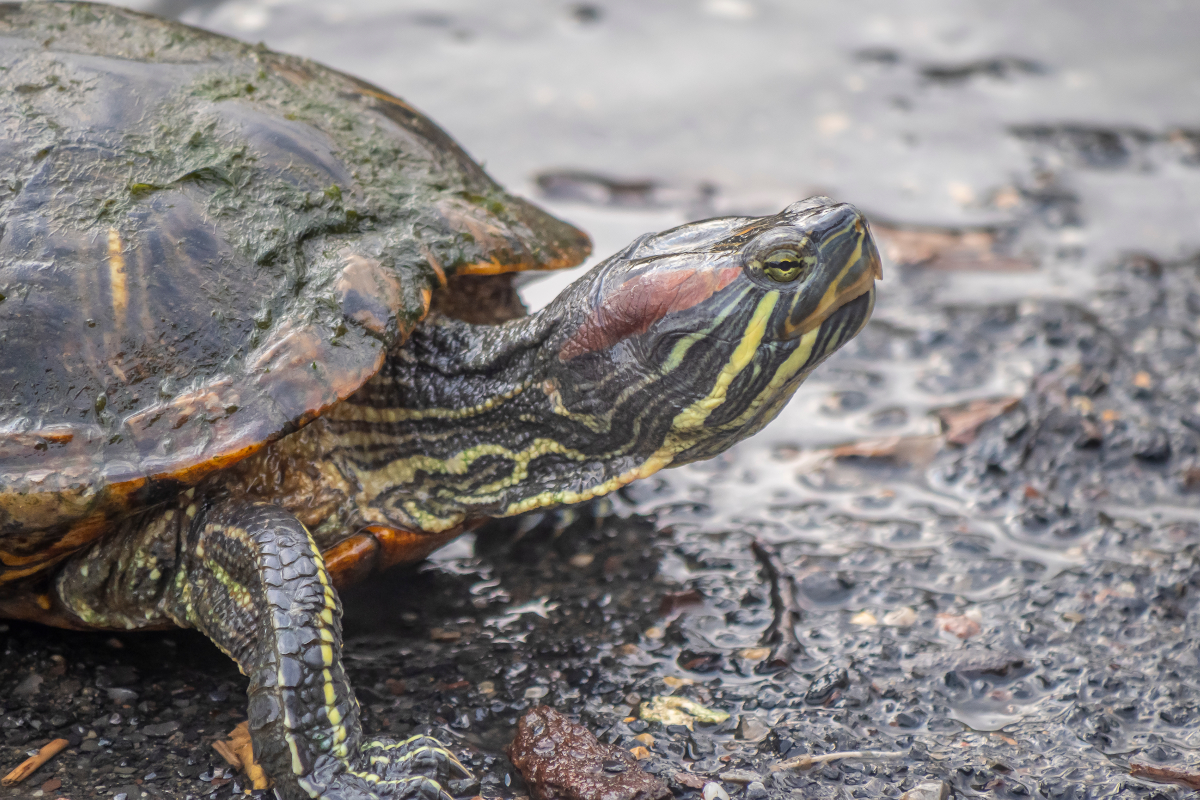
x,y
929,790
671,710
33,763
238,752
962,421
562,760
807,761
947,250
1181,777
780,635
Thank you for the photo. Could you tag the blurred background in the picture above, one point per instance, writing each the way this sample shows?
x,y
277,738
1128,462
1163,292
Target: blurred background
x,y
927,112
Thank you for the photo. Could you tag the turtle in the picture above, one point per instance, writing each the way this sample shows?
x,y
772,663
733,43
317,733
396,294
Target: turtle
x,y
259,339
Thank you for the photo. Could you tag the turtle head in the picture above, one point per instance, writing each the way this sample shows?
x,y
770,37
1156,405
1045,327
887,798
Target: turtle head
x,y
668,352
692,339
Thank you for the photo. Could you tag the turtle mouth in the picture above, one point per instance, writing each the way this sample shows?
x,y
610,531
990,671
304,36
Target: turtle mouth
x,y
855,280
845,322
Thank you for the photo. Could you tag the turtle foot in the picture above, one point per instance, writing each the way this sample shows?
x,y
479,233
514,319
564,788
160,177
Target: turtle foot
x,y
417,768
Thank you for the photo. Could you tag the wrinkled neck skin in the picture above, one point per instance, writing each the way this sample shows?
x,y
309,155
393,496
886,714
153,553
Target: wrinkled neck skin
x,y
575,402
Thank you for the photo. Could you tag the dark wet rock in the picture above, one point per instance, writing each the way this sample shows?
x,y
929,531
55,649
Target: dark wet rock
x,y
824,685
586,13
1001,67
121,696
562,760
967,660
751,729
161,730
755,790
28,687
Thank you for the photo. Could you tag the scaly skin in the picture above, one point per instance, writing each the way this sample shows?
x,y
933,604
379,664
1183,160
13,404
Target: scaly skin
x,y
251,578
669,352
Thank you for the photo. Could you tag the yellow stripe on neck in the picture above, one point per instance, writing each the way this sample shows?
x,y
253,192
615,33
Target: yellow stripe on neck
x,y
687,421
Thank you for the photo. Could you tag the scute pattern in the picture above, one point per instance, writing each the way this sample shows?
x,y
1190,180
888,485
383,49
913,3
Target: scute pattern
x,y
204,245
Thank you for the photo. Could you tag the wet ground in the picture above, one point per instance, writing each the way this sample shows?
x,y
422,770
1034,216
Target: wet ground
x,y
982,516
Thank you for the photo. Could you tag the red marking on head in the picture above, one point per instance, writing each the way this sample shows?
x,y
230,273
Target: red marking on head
x,y
641,301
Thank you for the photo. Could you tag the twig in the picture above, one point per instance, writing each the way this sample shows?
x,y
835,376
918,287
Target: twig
x,y
227,752
780,635
239,742
1166,775
31,764
805,762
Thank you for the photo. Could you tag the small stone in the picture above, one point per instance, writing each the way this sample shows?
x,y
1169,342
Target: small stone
x,y
52,785
161,730
655,633
639,752
755,790
738,776
751,729
865,619
755,653
122,695
714,791
28,687
675,683
536,692
486,687
903,617
961,626
645,739
929,790
582,559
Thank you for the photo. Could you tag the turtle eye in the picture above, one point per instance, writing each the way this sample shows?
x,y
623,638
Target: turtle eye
x,y
786,265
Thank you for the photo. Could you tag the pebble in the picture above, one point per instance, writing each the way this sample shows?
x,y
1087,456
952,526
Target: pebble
x,y
162,729
751,729
118,695
962,626
738,776
864,619
755,790
929,790
904,617
714,791
755,653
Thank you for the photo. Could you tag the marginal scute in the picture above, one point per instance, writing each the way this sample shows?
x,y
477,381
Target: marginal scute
x,y
368,293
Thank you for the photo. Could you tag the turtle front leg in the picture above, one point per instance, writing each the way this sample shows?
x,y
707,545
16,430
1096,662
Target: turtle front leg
x,y
250,577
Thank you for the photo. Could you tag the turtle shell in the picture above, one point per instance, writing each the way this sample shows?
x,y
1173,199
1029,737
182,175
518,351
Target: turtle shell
x,y
203,245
